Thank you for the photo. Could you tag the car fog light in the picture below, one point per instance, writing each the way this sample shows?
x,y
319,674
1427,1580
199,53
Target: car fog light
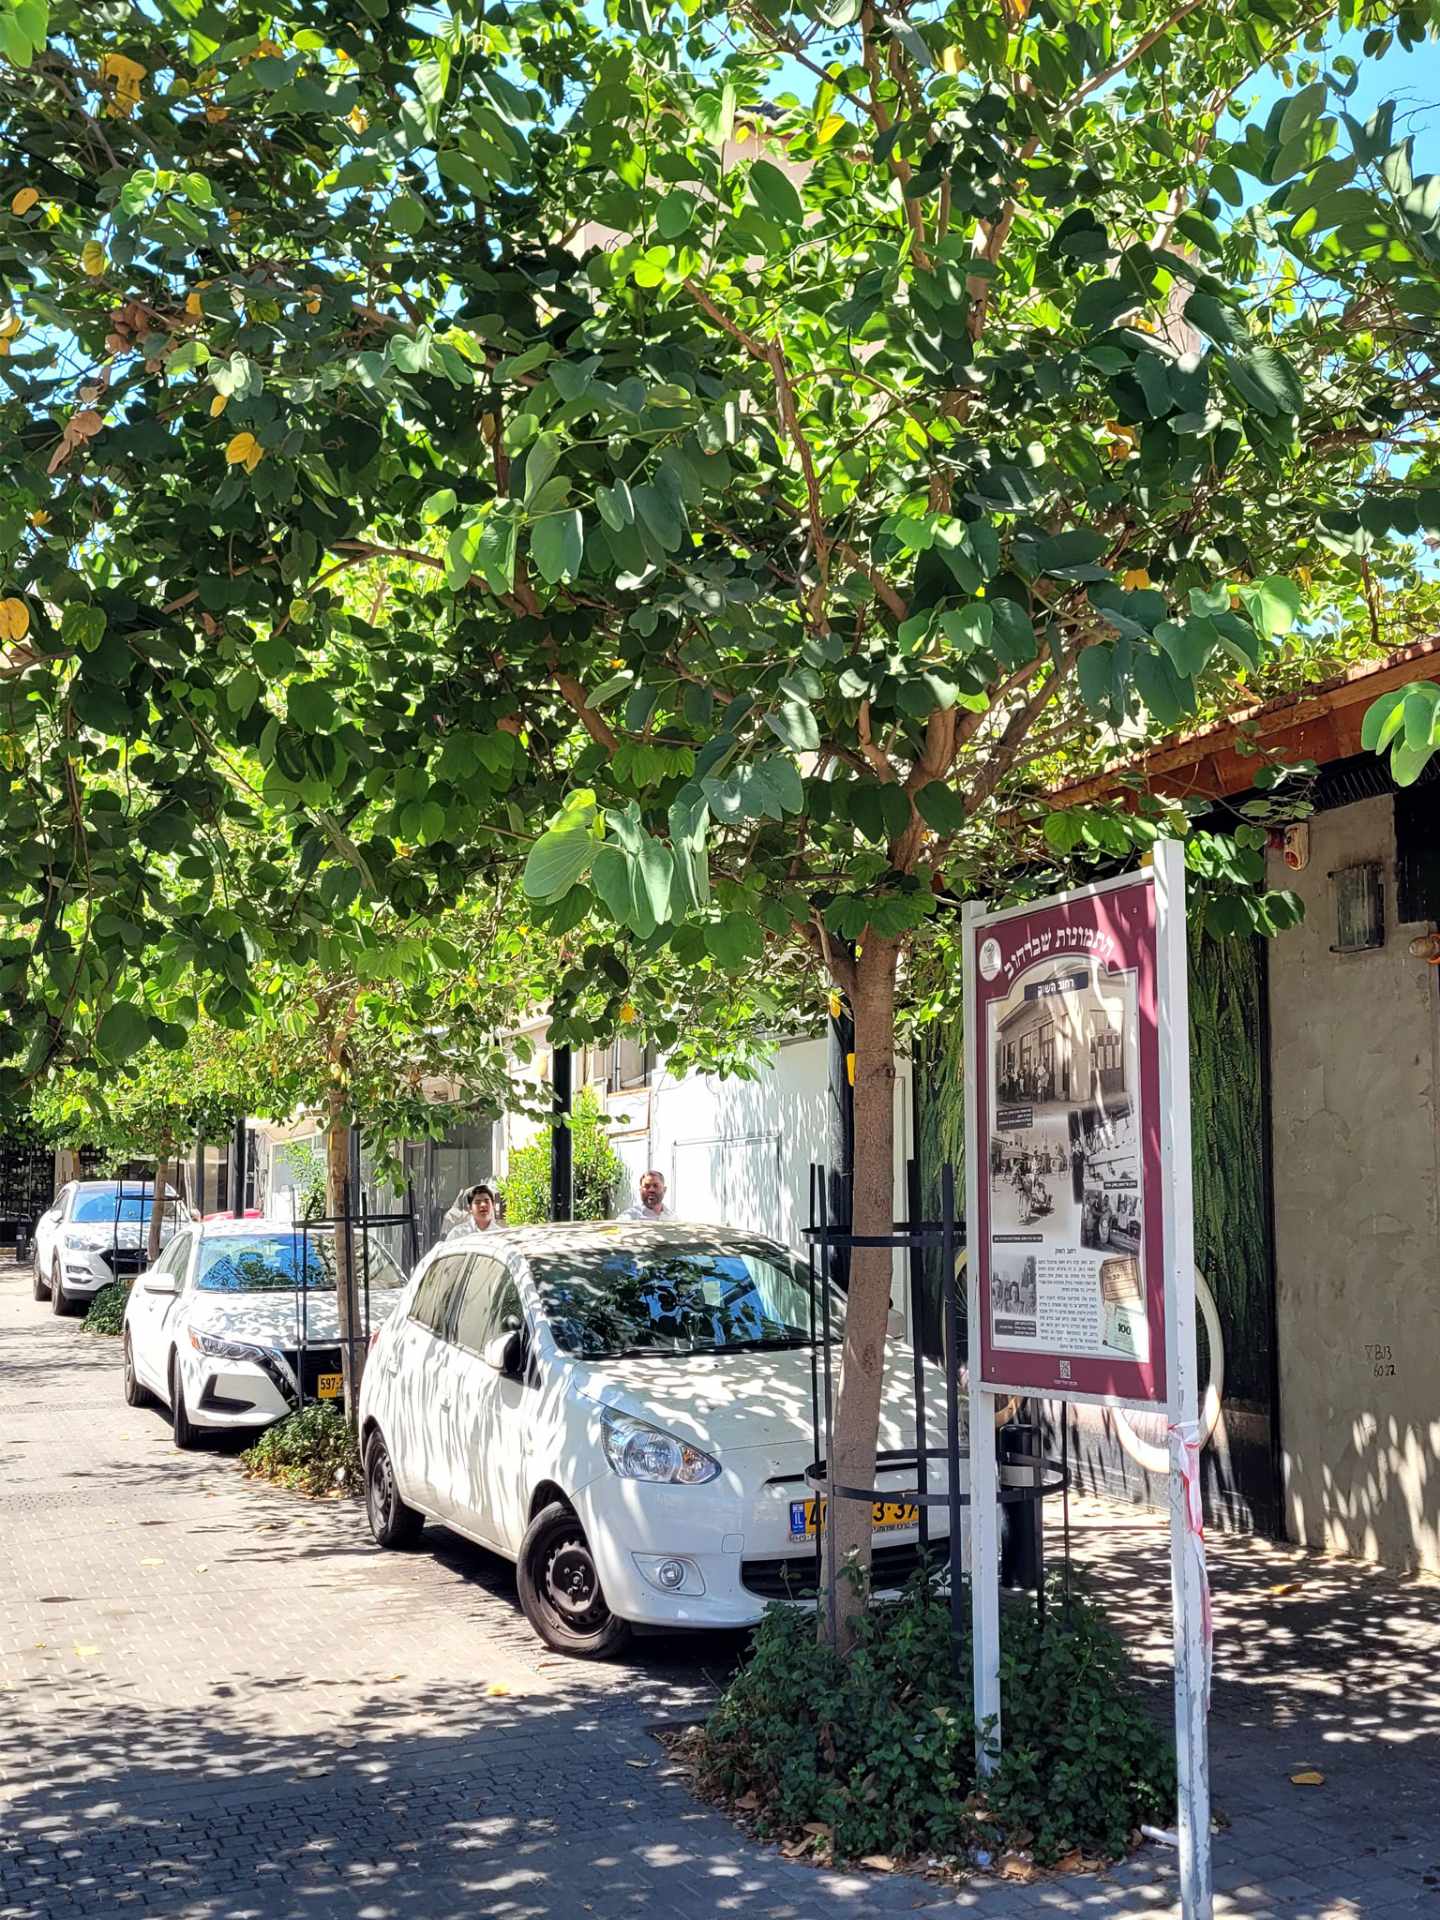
x,y
669,1574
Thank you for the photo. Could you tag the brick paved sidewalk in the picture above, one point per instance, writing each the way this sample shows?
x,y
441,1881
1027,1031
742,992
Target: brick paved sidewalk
x,y
221,1703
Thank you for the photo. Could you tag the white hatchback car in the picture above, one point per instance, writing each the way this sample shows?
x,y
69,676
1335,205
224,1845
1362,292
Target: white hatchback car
x,y
626,1412
96,1231
222,1330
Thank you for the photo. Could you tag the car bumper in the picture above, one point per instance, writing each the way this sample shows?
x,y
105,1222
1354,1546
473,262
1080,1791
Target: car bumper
x,y
734,1543
83,1274
225,1393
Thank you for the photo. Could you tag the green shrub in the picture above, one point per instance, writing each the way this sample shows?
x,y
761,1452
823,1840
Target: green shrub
x,y
106,1313
880,1748
597,1170
314,1451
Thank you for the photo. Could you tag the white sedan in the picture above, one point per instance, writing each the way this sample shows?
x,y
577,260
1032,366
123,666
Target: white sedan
x,y
93,1232
626,1412
237,1323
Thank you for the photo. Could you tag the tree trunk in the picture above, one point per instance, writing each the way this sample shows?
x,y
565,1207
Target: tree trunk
x,y
157,1207
862,1363
337,1194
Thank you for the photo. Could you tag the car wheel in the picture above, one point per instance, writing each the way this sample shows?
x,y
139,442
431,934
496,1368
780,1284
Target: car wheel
x,y
560,1587
186,1436
42,1291
59,1305
135,1394
391,1521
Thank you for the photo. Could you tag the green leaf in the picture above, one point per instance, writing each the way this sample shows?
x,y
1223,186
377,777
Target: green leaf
x,y
794,723
940,807
1267,381
1096,674
1407,763
559,860
406,213
775,194
1383,720
1100,304
1274,604
616,505
540,462
437,505
558,545
122,1031
1206,313
734,939
198,190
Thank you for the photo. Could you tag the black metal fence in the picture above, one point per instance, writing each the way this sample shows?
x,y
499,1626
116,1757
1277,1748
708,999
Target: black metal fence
x,y
1027,1477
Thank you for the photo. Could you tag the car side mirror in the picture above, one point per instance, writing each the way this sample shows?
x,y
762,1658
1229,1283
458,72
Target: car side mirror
x,y
160,1283
506,1353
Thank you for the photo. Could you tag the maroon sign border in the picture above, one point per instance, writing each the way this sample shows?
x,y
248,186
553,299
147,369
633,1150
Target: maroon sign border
x,y
1122,923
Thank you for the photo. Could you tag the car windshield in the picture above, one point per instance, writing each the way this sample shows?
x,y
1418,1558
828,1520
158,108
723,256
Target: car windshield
x,y
273,1263
677,1298
100,1208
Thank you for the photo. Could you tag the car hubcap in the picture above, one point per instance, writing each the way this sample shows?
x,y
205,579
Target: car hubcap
x,y
382,1489
572,1588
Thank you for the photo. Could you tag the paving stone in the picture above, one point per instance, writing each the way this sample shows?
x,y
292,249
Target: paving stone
x,y
220,1703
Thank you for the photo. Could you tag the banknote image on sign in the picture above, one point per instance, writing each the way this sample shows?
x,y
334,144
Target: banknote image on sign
x,y
1066,1212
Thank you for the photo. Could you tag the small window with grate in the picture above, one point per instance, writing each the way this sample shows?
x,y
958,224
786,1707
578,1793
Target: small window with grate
x,y
1359,896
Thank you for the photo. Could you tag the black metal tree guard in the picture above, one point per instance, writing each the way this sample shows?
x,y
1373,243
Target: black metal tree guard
x,y
1043,1477
343,1222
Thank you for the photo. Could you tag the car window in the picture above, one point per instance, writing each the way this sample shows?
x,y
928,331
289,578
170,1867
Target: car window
x,y
681,1297
130,1208
176,1256
438,1296
490,1305
274,1262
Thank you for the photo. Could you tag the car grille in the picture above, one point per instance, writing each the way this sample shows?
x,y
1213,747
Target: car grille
x,y
793,1578
124,1260
318,1360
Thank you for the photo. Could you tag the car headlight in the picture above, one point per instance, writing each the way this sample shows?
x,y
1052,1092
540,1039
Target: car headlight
x,y
226,1349
85,1239
638,1451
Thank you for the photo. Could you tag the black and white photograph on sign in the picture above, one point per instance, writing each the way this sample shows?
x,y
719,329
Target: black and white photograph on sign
x,y
1065,1195
1013,1296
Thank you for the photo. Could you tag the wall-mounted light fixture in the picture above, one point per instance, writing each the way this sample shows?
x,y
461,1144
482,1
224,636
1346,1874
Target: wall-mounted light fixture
x,y
1359,895
1426,946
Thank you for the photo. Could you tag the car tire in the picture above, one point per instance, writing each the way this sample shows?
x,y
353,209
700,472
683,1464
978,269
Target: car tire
x,y
41,1286
185,1435
135,1394
392,1522
560,1588
59,1305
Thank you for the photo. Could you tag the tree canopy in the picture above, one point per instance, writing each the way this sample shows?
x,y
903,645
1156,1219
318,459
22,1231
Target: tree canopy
x,y
780,439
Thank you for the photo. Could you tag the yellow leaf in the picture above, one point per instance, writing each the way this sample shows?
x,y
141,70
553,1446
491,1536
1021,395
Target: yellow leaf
x,y
218,405
214,115
93,258
1307,1779
312,303
835,123
152,1563
244,451
25,199
125,75
193,306
952,60
497,1688
40,518
1136,577
358,119
10,326
14,618
86,1653
628,1014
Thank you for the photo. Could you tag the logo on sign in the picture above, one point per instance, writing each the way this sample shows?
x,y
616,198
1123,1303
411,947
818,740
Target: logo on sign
x,y
990,958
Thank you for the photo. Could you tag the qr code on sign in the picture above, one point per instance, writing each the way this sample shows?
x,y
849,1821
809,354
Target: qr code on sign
x,y
1064,1369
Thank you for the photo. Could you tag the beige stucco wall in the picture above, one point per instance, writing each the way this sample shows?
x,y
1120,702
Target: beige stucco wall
x,y
1356,1045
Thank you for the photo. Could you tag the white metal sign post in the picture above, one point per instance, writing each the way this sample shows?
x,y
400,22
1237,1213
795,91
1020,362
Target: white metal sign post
x,y
1080,1234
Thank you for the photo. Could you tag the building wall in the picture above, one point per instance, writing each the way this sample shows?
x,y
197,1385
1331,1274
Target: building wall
x,y
1355,1050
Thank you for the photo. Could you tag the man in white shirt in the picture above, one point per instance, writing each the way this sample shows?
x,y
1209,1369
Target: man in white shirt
x,y
480,1214
651,1205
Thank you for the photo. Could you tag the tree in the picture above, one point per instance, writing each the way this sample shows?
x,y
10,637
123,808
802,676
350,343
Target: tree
x,y
960,392
597,1170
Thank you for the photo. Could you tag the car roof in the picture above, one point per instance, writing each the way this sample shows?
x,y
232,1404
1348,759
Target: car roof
x,y
262,1226
132,1182
630,1236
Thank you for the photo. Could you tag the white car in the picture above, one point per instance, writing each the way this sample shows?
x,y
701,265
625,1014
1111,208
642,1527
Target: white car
x,y
626,1412
222,1331
96,1231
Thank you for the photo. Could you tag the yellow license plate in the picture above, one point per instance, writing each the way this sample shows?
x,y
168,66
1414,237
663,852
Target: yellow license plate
x,y
888,1516
330,1386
